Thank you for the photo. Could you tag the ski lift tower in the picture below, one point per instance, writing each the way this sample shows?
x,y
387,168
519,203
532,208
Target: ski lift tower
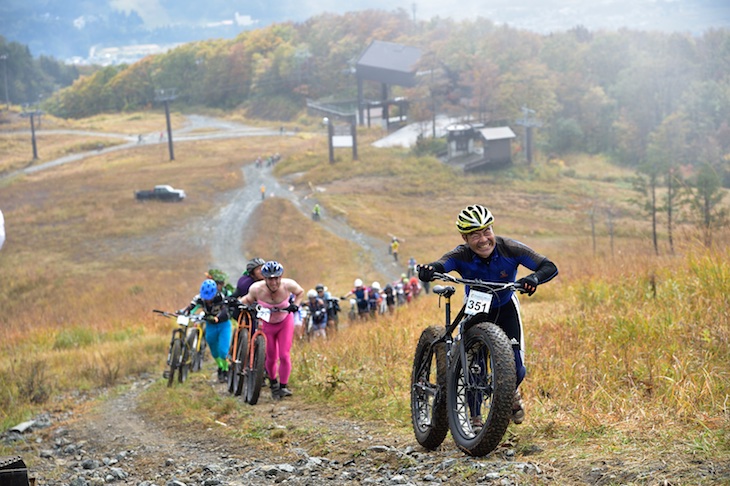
x,y
165,96
528,121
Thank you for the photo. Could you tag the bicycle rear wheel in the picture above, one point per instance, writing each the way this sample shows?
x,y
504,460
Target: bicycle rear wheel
x,y
196,348
255,375
428,389
484,387
175,355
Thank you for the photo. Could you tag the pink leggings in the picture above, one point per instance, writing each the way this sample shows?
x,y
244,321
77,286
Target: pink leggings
x,y
279,339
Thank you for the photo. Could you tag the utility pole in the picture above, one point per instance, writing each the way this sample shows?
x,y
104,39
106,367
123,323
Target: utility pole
x,y
529,122
166,96
31,115
4,58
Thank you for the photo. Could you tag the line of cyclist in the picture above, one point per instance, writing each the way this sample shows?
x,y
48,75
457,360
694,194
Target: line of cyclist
x,y
297,314
370,301
262,285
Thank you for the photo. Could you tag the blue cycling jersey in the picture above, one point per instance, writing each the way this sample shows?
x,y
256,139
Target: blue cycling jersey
x,y
500,266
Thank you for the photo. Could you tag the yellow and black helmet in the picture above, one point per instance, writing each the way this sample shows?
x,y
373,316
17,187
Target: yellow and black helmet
x,y
473,218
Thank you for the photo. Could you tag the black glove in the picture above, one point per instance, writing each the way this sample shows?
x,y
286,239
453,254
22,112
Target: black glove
x,y
529,284
210,318
425,273
292,307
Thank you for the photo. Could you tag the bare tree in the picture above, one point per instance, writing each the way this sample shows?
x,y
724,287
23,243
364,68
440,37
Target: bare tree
x,y
646,184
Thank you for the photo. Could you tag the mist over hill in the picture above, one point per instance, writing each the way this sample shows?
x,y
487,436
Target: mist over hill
x,y
73,27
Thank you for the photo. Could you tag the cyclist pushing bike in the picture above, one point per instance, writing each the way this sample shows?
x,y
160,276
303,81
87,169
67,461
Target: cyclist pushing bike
x,y
280,297
362,297
218,325
488,257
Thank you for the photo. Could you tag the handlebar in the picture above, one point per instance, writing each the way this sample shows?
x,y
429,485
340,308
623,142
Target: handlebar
x,y
480,284
174,315
165,313
273,309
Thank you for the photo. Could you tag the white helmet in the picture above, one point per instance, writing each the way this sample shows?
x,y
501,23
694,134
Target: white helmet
x,y
376,285
312,293
358,282
473,218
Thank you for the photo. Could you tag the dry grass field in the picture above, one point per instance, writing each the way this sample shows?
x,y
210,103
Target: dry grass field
x,y
628,353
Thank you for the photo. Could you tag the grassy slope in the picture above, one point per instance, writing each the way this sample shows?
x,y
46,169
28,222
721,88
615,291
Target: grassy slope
x,y
627,352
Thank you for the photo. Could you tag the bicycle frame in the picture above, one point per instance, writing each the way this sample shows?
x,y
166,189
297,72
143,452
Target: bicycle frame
x,y
243,323
259,331
463,323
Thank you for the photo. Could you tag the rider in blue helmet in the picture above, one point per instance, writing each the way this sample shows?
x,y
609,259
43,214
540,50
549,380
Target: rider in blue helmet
x,y
218,330
208,289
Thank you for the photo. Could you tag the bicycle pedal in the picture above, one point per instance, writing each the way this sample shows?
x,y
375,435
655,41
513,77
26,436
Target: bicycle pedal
x,y
166,374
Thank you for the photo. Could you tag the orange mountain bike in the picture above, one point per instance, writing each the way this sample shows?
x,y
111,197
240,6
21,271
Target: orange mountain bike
x,y
238,353
247,356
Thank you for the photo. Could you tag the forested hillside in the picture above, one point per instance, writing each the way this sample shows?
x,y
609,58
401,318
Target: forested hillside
x,y
635,95
27,80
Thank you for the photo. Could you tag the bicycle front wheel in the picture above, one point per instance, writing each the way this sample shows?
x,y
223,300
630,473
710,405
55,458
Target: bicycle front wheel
x,y
255,375
235,374
480,392
184,367
428,389
175,355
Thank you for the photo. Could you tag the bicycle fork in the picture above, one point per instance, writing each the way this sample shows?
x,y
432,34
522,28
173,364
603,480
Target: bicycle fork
x,y
459,324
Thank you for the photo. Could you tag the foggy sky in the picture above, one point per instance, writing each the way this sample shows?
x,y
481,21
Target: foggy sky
x,y
536,15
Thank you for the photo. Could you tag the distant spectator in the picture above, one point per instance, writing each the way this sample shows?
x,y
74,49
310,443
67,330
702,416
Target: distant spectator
x,y
394,244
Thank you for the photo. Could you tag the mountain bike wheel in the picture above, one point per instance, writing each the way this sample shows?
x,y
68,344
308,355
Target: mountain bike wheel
x,y
428,389
235,374
484,387
203,345
184,365
175,355
194,343
255,376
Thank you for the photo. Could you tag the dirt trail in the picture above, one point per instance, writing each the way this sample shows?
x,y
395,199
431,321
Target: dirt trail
x,y
230,223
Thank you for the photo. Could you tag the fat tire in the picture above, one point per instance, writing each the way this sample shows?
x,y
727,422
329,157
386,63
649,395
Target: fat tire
x,y
174,360
255,377
428,412
491,368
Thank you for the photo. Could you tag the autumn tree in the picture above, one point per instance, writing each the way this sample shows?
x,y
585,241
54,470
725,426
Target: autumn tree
x,y
704,196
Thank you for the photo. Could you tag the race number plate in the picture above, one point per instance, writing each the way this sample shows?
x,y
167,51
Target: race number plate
x,y
478,302
183,320
263,313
